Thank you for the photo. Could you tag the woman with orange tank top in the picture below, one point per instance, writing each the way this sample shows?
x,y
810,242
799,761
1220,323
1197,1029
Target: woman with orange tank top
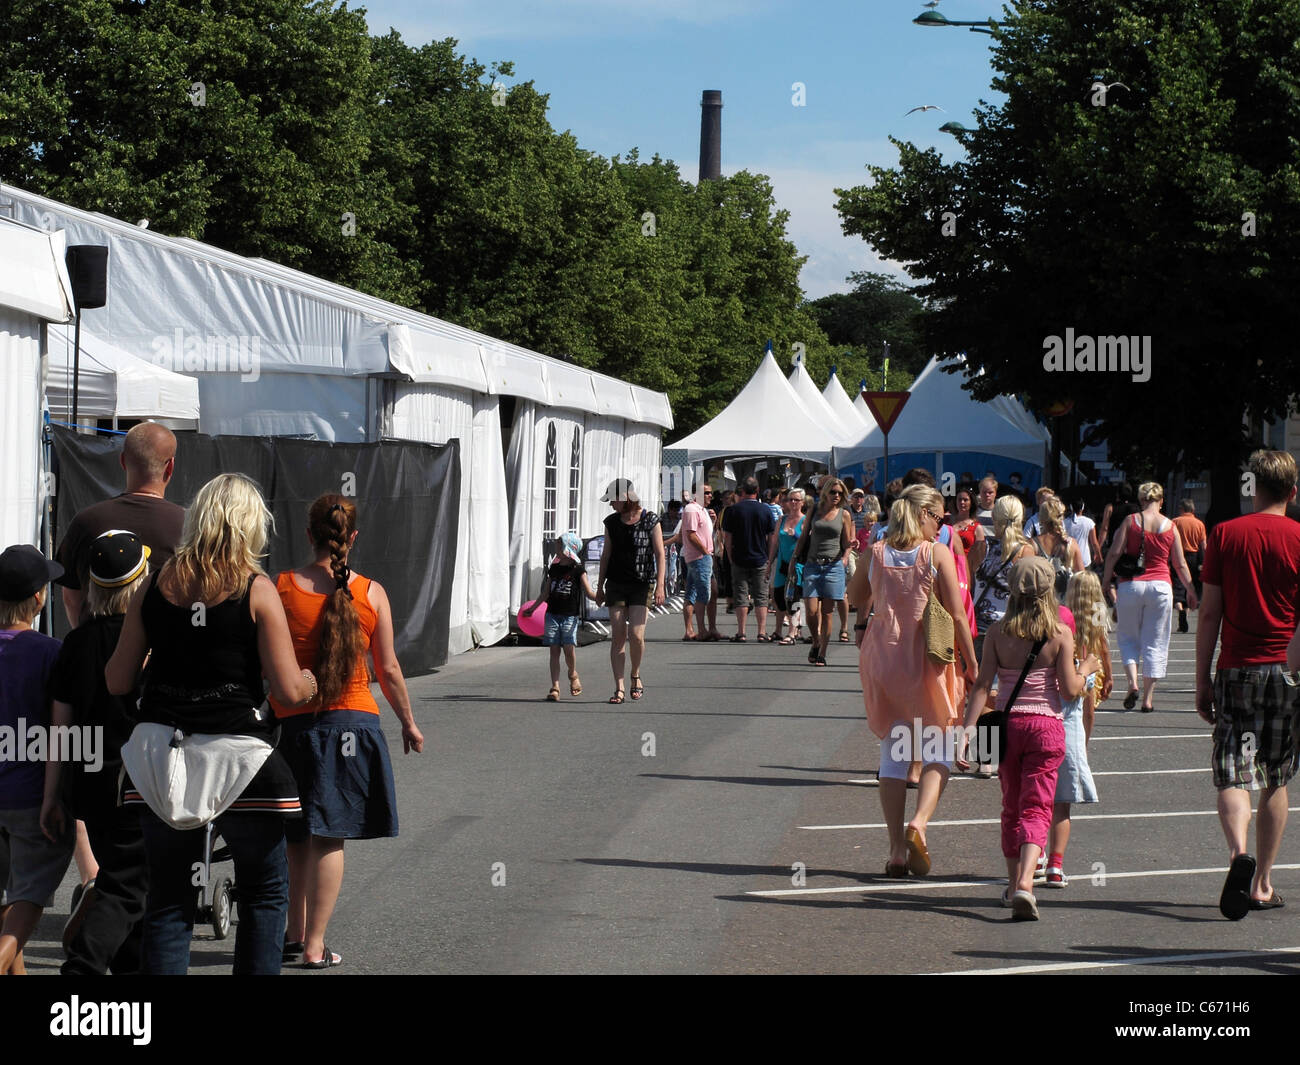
x,y
335,743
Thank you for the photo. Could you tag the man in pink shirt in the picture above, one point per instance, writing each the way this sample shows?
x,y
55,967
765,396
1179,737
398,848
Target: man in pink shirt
x,y
697,550
1251,578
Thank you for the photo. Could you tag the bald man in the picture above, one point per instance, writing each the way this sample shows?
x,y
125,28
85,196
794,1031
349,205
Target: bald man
x,y
149,459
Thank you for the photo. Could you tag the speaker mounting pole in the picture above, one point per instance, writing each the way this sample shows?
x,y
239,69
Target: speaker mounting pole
x,y
88,272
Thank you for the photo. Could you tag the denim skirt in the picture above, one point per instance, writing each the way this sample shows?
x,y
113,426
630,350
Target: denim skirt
x,y
823,580
345,778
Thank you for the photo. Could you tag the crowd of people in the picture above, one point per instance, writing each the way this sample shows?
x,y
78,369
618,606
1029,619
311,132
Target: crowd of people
x,y
177,633
234,702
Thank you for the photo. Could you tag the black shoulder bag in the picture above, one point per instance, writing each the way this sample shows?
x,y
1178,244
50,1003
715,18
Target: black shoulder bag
x,y
1133,565
997,719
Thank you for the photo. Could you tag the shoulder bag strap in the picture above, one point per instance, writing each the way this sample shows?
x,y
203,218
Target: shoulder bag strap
x,y
1020,683
1001,570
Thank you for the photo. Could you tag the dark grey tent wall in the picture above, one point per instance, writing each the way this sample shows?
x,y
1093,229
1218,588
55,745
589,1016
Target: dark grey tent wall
x,y
408,511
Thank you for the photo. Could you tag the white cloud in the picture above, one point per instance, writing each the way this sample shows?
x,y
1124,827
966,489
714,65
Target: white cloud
x,y
814,224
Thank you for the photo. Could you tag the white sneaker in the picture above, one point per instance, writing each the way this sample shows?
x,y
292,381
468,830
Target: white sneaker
x,y
1024,907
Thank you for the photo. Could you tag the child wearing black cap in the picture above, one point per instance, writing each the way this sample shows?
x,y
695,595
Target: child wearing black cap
x,y
37,861
107,935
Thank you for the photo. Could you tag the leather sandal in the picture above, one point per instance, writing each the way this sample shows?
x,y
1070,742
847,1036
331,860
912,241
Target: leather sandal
x,y
918,856
553,696
328,961
638,689
575,684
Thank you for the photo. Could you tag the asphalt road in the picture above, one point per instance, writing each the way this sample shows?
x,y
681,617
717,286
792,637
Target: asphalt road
x,y
661,836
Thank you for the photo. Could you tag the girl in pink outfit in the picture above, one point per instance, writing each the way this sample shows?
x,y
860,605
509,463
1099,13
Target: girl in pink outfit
x,y
1030,632
900,684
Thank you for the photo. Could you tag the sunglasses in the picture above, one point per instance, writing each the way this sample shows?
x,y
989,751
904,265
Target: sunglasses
x,y
834,492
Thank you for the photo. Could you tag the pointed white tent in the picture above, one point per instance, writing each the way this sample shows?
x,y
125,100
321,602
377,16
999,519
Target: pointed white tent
x,y
864,412
836,428
941,416
840,403
766,418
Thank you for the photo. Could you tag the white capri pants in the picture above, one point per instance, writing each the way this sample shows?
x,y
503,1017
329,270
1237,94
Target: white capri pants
x,y
905,743
1145,610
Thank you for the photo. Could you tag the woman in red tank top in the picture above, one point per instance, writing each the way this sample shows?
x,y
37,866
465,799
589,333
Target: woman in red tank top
x,y
338,619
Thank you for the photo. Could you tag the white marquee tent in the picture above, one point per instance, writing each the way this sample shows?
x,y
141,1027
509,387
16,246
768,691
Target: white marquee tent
x,y
279,352
864,412
112,383
941,416
34,290
767,417
844,408
840,431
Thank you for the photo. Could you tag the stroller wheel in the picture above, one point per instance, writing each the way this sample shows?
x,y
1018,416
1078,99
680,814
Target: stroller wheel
x,y
221,907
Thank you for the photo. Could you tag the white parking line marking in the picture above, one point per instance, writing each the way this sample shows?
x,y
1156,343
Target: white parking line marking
x,y
1170,736
1155,959
1146,772
918,884
1075,817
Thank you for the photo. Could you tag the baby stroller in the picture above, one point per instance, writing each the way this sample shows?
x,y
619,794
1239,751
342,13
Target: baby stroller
x,y
216,896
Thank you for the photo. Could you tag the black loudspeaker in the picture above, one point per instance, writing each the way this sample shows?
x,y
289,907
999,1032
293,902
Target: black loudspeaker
x,y
88,270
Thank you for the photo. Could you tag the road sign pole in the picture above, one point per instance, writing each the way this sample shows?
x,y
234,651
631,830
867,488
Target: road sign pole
x,y
885,480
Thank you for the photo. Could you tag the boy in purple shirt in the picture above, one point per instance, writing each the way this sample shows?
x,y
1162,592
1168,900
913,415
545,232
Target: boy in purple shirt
x,y
36,862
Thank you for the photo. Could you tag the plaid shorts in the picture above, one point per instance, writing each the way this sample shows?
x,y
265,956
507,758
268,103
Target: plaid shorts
x,y
1255,725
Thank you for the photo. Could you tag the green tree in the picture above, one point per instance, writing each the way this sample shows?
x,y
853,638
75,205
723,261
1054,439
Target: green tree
x,y
1166,209
239,122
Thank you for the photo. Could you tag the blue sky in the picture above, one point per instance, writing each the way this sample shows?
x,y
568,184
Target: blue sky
x,y
624,74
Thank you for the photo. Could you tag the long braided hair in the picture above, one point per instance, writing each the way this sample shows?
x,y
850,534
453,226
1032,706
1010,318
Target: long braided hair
x,y
331,522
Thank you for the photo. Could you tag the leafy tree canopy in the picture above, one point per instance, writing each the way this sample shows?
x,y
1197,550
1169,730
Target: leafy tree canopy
x,y
1169,209
281,129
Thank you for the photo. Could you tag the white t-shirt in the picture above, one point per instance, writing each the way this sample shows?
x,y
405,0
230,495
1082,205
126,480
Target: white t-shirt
x,y
1077,529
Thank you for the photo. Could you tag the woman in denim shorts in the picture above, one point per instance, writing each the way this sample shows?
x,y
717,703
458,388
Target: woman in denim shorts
x,y
823,546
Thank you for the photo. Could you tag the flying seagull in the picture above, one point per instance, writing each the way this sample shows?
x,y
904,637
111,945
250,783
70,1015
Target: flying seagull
x,y
1112,85
925,107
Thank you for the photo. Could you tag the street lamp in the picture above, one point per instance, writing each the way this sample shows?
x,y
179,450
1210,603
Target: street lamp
x,y
933,18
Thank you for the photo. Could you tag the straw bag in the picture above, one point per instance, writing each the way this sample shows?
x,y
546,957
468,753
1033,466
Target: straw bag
x,y
940,637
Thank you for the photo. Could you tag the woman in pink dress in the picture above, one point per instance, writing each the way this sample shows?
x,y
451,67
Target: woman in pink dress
x,y
900,684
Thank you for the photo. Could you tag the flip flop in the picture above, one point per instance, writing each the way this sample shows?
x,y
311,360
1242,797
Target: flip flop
x,y
1273,902
1131,699
844,637
1234,902
575,685
918,856
786,642
738,638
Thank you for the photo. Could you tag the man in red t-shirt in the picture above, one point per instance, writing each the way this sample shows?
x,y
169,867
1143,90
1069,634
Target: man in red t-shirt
x,y
1251,578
